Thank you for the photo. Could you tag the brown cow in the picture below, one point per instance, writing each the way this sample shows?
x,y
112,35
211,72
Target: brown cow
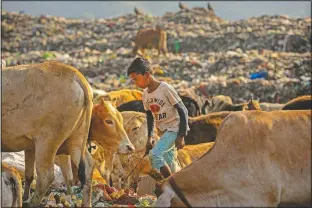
x,y
299,103
224,103
204,128
219,103
151,38
134,125
108,132
11,187
121,96
44,107
259,159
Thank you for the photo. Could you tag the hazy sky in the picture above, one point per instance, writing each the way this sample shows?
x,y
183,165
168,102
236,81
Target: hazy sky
x,y
230,10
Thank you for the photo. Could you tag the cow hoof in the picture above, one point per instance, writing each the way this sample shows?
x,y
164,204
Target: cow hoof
x,y
25,204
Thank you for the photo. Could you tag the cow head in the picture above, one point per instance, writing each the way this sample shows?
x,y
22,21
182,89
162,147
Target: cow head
x,y
252,105
135,125
107,128
215,103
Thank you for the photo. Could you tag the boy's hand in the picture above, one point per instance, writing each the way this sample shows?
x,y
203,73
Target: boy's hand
x,y
179,143
149,145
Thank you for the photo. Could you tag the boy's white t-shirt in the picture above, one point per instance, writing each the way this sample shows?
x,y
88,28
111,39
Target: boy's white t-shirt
x,y
161,103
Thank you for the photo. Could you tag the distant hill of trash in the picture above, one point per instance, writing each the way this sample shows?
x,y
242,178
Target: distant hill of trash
x,y
257,57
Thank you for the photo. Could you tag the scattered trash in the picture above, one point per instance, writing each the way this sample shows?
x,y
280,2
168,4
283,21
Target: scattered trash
x,y
200,44
258,75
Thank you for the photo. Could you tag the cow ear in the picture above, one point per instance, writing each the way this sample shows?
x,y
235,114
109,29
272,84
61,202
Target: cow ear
x,y
106,97
114,102
102,101
250,101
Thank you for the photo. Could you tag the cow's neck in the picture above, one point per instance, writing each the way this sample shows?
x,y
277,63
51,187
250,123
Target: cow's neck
x,y
102,140
201,183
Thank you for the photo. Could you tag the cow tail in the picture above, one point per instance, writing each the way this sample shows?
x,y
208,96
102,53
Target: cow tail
x,y
15,180
88,109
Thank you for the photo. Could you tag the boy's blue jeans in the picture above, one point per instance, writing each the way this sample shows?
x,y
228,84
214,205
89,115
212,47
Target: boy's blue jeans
x,y
164,150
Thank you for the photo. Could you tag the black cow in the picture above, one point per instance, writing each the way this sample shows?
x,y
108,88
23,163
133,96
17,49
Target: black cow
x,y
135,105
299,103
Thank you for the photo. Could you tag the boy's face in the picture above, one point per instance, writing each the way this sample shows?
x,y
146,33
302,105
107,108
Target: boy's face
x,y
140,80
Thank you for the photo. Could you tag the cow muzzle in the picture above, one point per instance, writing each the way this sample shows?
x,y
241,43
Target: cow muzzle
x,y
126,148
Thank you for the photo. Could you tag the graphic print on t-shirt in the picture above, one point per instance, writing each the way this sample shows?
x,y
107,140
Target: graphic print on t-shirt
x,y
154,108
155,105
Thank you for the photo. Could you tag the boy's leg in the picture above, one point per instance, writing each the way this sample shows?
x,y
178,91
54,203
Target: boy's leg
x,y
164,144
172,160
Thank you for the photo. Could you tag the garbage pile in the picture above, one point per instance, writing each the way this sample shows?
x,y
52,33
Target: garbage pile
x,y
278,33
26,33
265,55
102,196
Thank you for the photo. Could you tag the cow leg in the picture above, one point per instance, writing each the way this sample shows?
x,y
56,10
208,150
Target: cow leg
x,y
106,176
76,181
66,168
85,164
116,180
29,172
88,182
159,51
45,154
133,181
108,166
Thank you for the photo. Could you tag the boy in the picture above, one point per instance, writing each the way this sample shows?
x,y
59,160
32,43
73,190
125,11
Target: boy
x,y
163,105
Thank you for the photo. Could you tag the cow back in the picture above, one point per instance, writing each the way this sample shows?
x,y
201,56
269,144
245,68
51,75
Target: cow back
x,y
299,103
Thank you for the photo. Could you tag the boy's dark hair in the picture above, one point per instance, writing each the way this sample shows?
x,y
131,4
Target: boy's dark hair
x,y
140,66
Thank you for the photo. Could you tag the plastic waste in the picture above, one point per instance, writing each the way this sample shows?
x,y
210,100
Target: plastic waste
x,y
177,46
259,75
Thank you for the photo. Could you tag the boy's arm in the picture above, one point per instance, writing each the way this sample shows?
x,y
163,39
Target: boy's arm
x,y
150,128
183,120
149,117
175,100
150,124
